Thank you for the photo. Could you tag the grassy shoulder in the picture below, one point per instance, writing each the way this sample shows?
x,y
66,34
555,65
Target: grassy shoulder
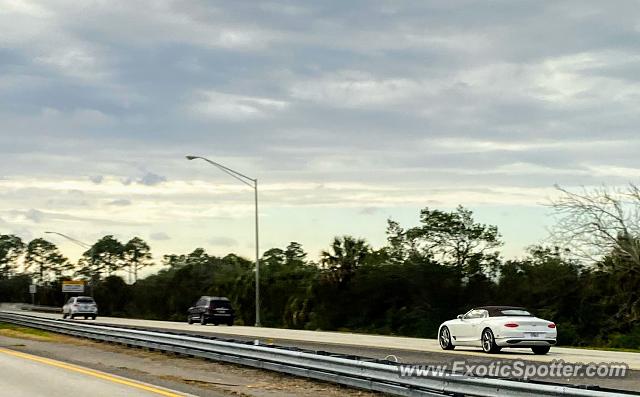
x,y
605,348
16,331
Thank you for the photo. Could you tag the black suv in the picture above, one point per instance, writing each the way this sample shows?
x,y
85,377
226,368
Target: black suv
x,y
211,309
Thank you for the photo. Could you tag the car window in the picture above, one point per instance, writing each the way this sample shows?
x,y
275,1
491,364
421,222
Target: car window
x,y
515,312
217,304
471,314
85,300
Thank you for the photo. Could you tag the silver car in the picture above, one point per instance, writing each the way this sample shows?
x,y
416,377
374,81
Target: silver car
x,y
83,306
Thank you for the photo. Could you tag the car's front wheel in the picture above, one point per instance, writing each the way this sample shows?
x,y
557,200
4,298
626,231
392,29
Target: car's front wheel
x,y
541,349
203,321
489,342
189,319
445,339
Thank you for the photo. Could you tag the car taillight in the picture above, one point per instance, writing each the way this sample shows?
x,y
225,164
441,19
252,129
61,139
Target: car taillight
x,y
75,305
511,325
552,325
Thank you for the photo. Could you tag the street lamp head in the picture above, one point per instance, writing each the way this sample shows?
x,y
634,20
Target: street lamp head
x,y
191,157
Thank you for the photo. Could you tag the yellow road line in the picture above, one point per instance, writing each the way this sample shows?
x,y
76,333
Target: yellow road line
x,y
90,372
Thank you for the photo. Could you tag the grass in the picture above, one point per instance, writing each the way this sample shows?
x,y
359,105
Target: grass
x,y
612,349
16,331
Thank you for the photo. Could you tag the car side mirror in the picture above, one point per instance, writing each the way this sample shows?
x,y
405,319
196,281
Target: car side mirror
x,y
460,317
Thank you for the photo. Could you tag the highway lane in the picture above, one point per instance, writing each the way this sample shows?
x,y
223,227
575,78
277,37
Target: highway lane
x,y
360,343
26,375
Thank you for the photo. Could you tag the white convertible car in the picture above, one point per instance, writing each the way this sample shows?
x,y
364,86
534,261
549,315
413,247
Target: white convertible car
x,y
495,327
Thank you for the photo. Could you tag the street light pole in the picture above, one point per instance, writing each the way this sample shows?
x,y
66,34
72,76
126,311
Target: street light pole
x,y
83,245
253,183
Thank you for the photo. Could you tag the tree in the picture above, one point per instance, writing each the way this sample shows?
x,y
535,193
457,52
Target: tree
x,y
273,257
46,261
455,239
347,254
294,254
397,242
105,256
137,255
594,223
174,261
11,247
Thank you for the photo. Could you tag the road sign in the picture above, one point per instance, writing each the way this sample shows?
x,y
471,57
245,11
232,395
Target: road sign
x,y
73,286
32,289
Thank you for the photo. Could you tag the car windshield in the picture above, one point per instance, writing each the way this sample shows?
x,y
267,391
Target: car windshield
x,y
85,300
515,312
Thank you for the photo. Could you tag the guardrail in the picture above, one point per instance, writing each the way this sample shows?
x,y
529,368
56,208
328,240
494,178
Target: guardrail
x,y
375,375
40,308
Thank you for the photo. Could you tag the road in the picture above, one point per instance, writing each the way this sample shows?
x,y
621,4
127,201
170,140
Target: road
x,y
26,375
408,349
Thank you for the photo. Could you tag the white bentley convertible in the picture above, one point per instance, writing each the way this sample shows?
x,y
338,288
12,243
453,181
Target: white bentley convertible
x,y
495,327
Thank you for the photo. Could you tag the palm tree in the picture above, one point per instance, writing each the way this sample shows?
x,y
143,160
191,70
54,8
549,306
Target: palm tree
x,y
348,254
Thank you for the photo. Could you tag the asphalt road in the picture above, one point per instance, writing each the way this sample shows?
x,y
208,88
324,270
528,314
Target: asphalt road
x,y
407,350
26,375
400,346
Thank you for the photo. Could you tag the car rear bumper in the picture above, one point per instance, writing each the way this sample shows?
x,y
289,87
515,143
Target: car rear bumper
x,y
219,317
524,342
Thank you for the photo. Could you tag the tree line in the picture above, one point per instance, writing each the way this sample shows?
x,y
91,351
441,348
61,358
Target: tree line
x,y
588,282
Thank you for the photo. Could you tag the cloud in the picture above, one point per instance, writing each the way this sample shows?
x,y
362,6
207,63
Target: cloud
x,y
218,105
159,236
120,202
151,179
221,241
97,179
387,105
34,215
369,211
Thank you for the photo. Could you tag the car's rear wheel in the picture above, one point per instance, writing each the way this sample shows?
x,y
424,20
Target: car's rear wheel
x,y
72,316
64,315
541,349
489,342
445,339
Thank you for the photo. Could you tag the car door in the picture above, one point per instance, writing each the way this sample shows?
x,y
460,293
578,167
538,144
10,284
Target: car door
x,y
70,304
200,307
476,326
470,323
456,327
193,309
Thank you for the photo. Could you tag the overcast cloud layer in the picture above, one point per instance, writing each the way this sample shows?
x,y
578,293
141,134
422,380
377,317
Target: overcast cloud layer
x,y
347,112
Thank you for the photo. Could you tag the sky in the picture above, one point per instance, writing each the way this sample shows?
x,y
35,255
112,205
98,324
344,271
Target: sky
x,y
347,113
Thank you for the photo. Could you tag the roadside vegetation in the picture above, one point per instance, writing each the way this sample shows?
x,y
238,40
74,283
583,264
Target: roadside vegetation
x,y
587,279
16,331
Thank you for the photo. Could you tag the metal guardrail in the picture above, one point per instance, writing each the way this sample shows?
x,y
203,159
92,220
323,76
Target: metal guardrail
x,y
40,308
372,375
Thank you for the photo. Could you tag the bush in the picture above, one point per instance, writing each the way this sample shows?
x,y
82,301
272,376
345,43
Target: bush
x,y
626,341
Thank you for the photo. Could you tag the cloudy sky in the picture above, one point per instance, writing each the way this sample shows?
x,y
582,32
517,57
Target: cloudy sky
x,y
348,113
